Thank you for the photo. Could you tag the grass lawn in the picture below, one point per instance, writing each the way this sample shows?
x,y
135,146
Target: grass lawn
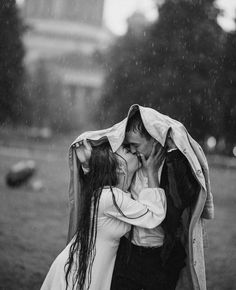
x,y
33,224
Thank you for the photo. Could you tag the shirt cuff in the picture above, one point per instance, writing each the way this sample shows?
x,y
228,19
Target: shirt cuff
x,y
85,169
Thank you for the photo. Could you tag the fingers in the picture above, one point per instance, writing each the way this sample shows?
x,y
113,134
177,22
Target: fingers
x,y
155,153
87,145
80,154
83,151
143,159
153,150
159,156
161,153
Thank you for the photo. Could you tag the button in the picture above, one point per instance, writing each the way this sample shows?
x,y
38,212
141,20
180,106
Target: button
x,y
185,151
199,172
194,240
194,263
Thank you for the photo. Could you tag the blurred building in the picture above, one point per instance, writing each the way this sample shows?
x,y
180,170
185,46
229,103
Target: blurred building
x,y
66,34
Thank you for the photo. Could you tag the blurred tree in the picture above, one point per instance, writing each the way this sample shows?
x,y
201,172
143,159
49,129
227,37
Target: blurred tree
x,y
228,97
48,104
40,95
124,71
174,67
11,63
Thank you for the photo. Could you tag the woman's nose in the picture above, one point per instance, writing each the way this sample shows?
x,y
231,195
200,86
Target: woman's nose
x,y
133,150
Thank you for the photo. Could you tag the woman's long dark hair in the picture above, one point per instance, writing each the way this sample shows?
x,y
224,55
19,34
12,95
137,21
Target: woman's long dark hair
x,y
103,166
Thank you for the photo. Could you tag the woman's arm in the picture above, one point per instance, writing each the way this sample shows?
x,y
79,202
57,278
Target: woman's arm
x,y
153,163
148,212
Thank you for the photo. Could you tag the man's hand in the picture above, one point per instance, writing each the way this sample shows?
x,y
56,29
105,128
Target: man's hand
x,y
83,152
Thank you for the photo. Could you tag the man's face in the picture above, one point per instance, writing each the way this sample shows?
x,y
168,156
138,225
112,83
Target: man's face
x,y
139,143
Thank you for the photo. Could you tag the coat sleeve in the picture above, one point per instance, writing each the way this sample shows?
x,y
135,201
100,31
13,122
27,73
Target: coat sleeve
x,y
187,186
148,212
181,189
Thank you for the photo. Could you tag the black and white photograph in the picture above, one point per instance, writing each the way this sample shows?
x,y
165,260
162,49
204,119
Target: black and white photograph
x,y
117,144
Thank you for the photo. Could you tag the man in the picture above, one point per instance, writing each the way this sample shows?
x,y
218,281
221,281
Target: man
x,y
157,259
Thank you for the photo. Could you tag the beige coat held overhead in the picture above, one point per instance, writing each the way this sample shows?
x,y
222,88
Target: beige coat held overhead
x,y
158,125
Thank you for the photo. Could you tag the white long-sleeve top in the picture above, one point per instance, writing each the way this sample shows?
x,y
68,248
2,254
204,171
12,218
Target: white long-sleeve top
x,y
143,236
112,224
148,211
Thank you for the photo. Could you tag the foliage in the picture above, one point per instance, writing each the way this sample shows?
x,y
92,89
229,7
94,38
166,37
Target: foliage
x,y
228,98
47,102
11,63
175,67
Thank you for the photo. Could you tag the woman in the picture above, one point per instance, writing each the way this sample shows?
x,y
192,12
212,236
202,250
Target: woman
x,y
107,213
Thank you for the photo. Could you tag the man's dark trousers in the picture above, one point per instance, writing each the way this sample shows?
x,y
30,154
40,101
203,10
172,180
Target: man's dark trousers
x,y
142,269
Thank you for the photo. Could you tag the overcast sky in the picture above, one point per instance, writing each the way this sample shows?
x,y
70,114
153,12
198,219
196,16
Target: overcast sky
x,y
117,11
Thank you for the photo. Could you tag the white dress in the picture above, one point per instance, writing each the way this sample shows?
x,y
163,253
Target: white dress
x,y
148,212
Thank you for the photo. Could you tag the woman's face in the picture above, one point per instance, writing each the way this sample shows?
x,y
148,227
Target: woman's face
x,y
132,162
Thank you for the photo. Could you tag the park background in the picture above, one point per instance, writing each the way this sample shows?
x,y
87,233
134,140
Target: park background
x,y
65,67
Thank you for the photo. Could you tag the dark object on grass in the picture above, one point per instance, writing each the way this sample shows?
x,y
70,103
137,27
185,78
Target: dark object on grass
x,y
20,173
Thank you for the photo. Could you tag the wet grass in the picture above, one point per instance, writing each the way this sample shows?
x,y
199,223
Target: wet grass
x,y
33,224
221,252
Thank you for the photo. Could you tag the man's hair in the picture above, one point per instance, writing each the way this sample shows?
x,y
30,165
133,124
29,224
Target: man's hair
x,y
135,124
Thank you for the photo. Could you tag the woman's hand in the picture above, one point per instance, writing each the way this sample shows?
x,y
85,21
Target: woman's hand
x,y
83,152
153,163
155,159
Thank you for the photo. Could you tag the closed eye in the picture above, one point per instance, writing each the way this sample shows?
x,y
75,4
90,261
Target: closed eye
x,y
127,147
134,145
